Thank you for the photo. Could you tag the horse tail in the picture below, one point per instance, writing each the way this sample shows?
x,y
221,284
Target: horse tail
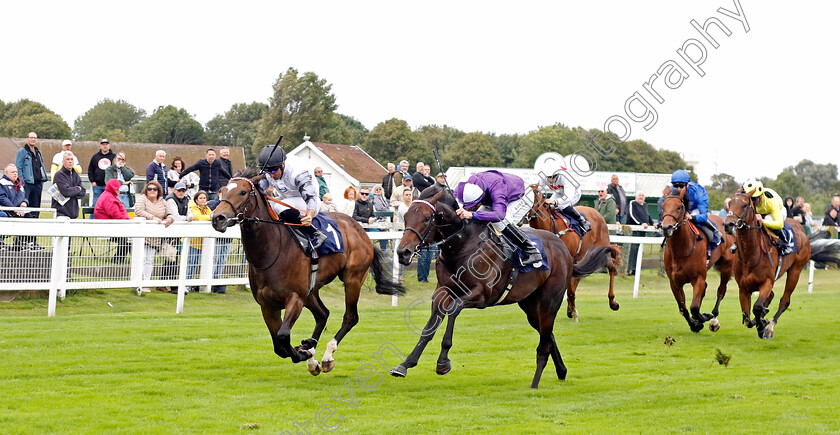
x,y
826,251
595,260
382,275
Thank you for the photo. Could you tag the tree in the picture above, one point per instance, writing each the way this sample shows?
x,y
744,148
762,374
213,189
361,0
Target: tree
x,y
239,126
554,138
168,125
788,184
724,183
344,130
301,105
815,177
507,145
393,140
107,119
19,118
440,137
474,149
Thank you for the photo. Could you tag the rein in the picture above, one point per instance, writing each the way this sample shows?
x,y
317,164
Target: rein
x,y
741,224
432,225
679,223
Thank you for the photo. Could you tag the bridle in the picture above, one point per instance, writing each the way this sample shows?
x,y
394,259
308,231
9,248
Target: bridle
x,y
429,227
741,223
239,215
679,220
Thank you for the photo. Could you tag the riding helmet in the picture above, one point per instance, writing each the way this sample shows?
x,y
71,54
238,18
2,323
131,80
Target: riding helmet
x,y
680,176
472,194
271,159
754,186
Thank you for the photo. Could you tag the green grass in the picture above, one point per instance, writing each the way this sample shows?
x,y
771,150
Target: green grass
x,y
135,366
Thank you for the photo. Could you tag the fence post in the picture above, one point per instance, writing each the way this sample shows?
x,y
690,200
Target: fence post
x,y
811,267
138,248
208,254
639,254
182,275
395,273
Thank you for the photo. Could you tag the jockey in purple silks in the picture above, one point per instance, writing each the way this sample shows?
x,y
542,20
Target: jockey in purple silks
x,y
496,198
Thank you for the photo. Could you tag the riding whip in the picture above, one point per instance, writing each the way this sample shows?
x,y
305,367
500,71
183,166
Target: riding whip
x,y
437,159
271,154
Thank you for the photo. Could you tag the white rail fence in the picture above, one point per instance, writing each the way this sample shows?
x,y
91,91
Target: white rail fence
x,y
99,254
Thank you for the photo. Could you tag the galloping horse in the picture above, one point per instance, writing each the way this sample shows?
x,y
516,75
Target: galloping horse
x,y
759,264
685,261
279,272
541,216
473,272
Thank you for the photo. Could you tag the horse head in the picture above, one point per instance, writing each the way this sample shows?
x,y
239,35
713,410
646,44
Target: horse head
x,y
238,200
425,217
673,213
738,216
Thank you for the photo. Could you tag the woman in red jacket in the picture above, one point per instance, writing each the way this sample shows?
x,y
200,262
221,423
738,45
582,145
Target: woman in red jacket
x,y
109,206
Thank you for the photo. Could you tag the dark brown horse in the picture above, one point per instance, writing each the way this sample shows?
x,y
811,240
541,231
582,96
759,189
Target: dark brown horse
x,y
542,217
758,263
279,272
685,261
473,272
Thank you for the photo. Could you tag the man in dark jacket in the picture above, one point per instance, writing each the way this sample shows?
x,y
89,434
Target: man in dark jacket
x,y
30,164
638,215
99,162
69,184
617,192
224,156
212,174
156,170
832,214
11,192
421,178
389,181
364,207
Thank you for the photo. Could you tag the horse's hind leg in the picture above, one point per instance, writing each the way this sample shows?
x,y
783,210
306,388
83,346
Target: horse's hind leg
x,y
542,320
443,363
352,288
612,271
571,309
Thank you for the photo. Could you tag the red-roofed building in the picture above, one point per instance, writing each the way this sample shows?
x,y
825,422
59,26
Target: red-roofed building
x,y
343,165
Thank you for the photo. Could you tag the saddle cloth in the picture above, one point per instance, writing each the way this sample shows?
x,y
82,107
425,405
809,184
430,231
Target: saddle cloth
x,y
329,227
511,250
571,222
789,237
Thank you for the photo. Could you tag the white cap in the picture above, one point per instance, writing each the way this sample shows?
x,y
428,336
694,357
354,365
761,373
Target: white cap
x,y
67,142
472,193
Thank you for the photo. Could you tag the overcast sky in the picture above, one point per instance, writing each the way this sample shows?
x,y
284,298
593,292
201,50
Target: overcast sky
x,y
767,100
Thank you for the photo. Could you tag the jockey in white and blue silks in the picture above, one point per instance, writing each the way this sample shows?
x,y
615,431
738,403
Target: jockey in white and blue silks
x,y
564,195
293,185
496,198
698,207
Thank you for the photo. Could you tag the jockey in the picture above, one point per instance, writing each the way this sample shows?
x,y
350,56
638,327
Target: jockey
x,y
564,196
698,207
495,197
768,211
294,186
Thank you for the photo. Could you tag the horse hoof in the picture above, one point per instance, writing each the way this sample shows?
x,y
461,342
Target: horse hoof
x,y
696,328
313,366
327,366
399,371
768,334
571,314
443,369
714,325
308,343
614,306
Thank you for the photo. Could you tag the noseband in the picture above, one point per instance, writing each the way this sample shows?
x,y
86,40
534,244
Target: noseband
x,y
423,242
680,220
741,223
240,214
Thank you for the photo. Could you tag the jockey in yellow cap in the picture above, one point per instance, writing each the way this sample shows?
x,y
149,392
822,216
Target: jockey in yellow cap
x,y
769,211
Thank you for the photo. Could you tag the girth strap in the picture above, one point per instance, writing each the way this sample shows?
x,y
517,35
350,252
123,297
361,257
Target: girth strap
x,y
511,280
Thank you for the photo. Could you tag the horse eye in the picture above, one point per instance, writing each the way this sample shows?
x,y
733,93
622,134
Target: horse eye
x,y
242,193
427,218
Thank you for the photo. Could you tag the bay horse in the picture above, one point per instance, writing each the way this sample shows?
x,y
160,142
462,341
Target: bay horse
x,y
279,272
685,261
473,272
542,217
759,265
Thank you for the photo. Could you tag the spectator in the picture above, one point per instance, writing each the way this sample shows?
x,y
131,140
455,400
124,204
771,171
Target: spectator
x,y
110,206
605,204
363,211
402,173
178,203
322,184
11,192
30,164
617,193
725,210
809,216
350,201
389,181
327,205
212,174
832,214
441,179
407,184
152,207
122,173
421,178
58,159
200,212
69,184
224,156
381,205
794,210
173,177
665,192
638,215
399,221
220,255
99,162
156,170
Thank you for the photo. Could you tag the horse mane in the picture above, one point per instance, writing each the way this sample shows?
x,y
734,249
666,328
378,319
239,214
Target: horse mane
x,y
248,173
441,196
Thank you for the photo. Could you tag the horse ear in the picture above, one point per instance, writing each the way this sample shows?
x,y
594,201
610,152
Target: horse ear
x,y
682,193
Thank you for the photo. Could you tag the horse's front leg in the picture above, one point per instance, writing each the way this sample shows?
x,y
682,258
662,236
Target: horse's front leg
x,y
760,309
745,298
426,335
699,285
679,296
443,363
308,345
282,339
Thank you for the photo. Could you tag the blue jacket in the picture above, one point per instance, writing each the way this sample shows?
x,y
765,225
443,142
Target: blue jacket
x,y
698,200
11,194
23,161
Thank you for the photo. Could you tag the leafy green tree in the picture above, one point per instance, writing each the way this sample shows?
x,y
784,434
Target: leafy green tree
x,y
168,125
788,184
239,127
507,145
474,149
301,105
343,130
107,119
815,177
23,116
440,137
554,138
393,140
724,183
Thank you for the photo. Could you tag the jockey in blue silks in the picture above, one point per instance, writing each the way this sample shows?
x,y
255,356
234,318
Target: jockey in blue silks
x,y
496,197
698,208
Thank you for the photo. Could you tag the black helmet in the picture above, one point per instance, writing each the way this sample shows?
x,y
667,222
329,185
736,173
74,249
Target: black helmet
x,y
278,156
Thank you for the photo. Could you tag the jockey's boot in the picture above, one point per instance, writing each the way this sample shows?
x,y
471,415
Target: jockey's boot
x,y
584,223
782,243
316,237
531,256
